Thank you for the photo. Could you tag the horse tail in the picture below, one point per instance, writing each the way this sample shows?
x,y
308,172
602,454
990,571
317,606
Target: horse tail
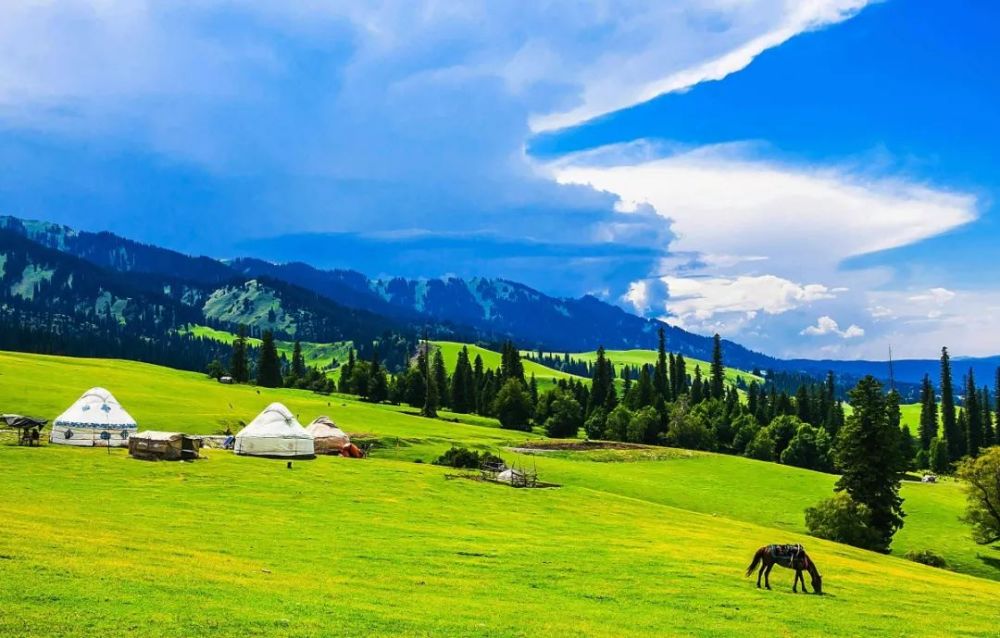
x,y
756,561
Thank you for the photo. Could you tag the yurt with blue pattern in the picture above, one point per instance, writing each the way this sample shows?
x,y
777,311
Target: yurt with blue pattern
x,y
95,420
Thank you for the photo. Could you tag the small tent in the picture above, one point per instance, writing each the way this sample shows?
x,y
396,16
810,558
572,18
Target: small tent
x,y
96,419
275,432
169,446
329,438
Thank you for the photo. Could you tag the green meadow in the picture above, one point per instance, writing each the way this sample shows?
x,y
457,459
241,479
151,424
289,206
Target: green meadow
x,y
649,541
318,355
545,376
640,357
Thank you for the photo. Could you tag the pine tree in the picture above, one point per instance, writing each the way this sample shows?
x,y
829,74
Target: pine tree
x,y
682,376
463,398
697,391
440,378
868,454
533,389
346,372
661,379
928,414
989,434
973,417
753,398
268,364
378,384
431,392
938,456
802,405
298,361
601,381
956,443
717,373
239,366
478,378
892,410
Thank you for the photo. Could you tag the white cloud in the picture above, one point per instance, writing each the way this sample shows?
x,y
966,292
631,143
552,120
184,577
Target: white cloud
x,y
366,116
611,83
826,325
799,223
700,298
805,221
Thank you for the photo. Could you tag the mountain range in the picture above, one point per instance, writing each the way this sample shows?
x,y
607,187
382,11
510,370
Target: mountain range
x,y
96,278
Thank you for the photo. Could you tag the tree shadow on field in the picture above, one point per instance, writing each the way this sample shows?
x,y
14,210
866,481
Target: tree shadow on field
x,y
992,561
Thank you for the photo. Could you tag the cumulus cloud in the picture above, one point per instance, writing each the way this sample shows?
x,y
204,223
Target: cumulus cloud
x,y
757,235
362,117
826,325
698,299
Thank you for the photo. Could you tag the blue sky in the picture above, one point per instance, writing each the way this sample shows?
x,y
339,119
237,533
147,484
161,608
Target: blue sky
x,y
808,178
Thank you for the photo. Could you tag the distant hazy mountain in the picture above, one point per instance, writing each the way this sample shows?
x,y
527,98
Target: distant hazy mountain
x,y
296,299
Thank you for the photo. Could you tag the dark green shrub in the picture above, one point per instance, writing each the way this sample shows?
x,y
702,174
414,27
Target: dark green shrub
x,y
927,557
842,519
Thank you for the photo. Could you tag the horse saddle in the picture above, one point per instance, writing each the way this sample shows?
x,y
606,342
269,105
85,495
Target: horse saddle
x,y
786,555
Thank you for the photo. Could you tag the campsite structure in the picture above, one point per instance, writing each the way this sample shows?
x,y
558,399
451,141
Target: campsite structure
x,y
275,432
152,445
28,428
96,419
328,438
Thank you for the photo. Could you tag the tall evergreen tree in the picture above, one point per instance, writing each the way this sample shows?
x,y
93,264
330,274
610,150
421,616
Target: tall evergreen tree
x,y
298,361
985,409
478,378
346,372
868,452
463,395
717,375
661,379
239,364
955,439
378,383
268,364
973,417
682,376
928,414
601,381
697,387
440,378
803,405
431,391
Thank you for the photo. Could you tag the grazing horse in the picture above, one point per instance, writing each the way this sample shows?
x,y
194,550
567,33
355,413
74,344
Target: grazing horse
x,y
790,556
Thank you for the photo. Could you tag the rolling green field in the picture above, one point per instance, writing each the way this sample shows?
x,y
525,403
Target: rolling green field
x,y
640,357
545,376
638,542
317,355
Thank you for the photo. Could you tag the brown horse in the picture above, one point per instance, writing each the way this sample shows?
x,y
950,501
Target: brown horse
x,y
790,556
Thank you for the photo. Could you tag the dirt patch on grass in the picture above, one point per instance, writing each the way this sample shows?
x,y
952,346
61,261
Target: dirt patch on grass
x,y
540,447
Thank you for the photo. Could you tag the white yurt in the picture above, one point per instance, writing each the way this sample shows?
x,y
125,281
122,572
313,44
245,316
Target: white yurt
x,y
96,420
329,439
275,432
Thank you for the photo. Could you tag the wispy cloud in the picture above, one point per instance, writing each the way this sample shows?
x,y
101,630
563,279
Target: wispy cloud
x,y
611,83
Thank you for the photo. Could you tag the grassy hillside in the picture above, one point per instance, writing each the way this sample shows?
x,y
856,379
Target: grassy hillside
x,y
174,400
639,357
544,376
652,542
318,355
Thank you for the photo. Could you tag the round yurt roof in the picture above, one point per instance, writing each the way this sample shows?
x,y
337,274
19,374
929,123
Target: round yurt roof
x,y
97,408
323,427
276,421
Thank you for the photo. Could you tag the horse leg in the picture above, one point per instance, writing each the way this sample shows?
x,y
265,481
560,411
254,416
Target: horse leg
x,y
795,583
767,576
760,573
